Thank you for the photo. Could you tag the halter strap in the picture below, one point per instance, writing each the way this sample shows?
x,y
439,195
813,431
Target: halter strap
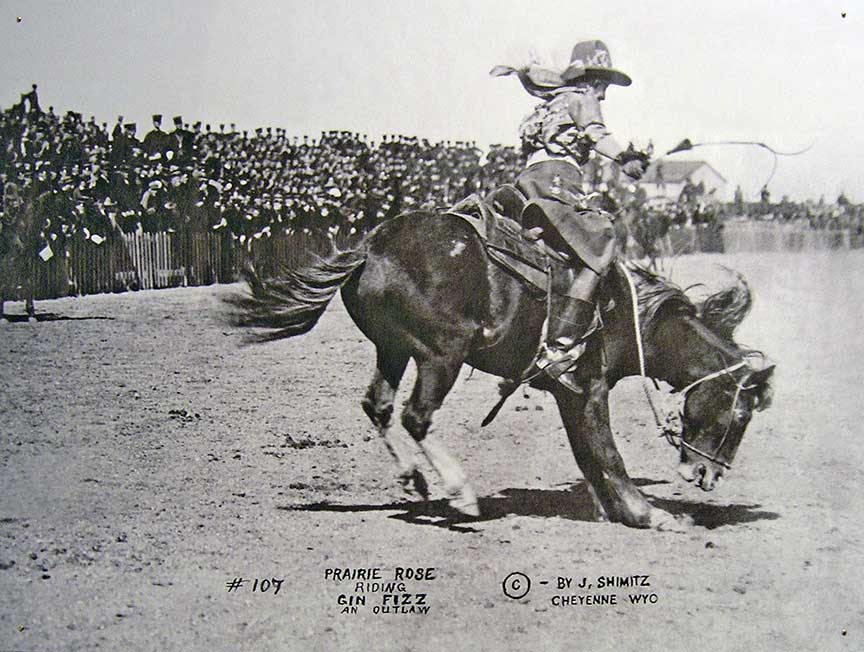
x,y
702,453
711,376
738,387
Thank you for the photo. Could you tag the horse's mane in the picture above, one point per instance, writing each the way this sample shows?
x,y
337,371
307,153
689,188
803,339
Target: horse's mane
x,y
720,313
724,310
657,294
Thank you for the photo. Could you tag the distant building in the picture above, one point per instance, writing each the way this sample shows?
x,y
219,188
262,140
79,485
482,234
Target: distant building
x,y
664,180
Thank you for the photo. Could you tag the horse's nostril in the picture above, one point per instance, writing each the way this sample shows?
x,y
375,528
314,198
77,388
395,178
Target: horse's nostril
x,y
701,470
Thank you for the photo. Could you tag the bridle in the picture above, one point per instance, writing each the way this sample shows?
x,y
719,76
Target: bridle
x,y
677,440
672,437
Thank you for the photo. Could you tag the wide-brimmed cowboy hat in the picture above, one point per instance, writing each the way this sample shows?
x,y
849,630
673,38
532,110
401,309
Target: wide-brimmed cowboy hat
x,y
591,59
588,59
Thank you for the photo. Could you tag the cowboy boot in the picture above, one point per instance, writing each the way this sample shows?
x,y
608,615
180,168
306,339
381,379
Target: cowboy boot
x,y
569,322
571,315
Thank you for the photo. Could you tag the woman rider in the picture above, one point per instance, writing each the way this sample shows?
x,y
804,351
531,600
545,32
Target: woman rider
x,y
559,137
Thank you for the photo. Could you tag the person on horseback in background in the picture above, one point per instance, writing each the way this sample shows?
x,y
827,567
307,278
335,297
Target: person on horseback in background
x,y
559,137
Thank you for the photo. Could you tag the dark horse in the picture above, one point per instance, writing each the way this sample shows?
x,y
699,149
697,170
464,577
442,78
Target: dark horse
x,y
422,286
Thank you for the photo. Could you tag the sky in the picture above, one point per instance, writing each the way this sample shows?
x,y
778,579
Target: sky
x,y
788,74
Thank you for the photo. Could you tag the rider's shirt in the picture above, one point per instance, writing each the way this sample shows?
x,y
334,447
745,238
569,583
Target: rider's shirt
x,y
567,126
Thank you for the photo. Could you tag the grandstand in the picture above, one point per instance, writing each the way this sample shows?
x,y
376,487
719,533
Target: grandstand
x,y
189,205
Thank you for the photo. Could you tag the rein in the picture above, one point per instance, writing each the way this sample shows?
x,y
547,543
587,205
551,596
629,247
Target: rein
x,y
667,433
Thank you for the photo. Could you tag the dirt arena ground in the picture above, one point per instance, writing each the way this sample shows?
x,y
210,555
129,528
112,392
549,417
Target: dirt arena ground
x,y
147,461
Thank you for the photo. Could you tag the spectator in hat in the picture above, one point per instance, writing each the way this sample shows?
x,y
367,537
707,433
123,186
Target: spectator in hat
x,y
117,132
184,141
32,100
121,144
157,143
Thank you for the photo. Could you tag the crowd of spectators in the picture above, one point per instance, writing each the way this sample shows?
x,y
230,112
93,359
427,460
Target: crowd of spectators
x,y
820,214
252,184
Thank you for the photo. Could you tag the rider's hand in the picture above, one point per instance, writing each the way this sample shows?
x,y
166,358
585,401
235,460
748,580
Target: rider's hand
x,y
634,169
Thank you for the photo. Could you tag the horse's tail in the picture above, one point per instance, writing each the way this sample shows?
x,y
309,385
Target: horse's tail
x,y
293,302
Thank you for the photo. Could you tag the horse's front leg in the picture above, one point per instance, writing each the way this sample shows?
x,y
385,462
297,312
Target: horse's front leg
x,y
616,497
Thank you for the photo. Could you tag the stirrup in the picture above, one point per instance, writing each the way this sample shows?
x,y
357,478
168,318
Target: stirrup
x,y
555,369
508,386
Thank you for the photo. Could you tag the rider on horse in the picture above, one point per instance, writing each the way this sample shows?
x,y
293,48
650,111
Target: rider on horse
x,y
560,136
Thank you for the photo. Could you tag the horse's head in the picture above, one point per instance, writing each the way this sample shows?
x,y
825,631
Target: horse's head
x,y
692,347
718,407
716,412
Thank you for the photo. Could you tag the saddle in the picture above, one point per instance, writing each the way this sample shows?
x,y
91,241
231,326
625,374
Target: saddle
x,y
497,219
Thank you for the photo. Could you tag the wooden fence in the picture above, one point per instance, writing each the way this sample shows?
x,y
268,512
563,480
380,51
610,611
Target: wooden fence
x,y
147,261
760,236
690,240
162,260
737,237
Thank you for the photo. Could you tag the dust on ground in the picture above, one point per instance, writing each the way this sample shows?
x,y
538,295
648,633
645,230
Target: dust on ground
x,y
147,460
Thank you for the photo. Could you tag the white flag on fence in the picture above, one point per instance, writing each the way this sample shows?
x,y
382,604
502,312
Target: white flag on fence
x,y
46,254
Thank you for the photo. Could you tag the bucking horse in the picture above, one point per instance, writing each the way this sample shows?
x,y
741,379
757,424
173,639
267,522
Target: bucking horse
x,y
438,288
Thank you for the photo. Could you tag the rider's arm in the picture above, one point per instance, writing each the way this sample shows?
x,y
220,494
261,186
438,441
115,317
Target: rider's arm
x,y
585,112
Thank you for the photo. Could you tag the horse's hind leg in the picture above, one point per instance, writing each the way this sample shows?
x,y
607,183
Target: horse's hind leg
x,y
378,406
435,377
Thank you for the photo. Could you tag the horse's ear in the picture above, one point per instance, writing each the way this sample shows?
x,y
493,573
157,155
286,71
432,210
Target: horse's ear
x,y
764,391
723,311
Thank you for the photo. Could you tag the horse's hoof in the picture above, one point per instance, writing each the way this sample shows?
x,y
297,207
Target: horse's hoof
x,y
405,481
414,482
600,514
665,522
420,484
465,502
